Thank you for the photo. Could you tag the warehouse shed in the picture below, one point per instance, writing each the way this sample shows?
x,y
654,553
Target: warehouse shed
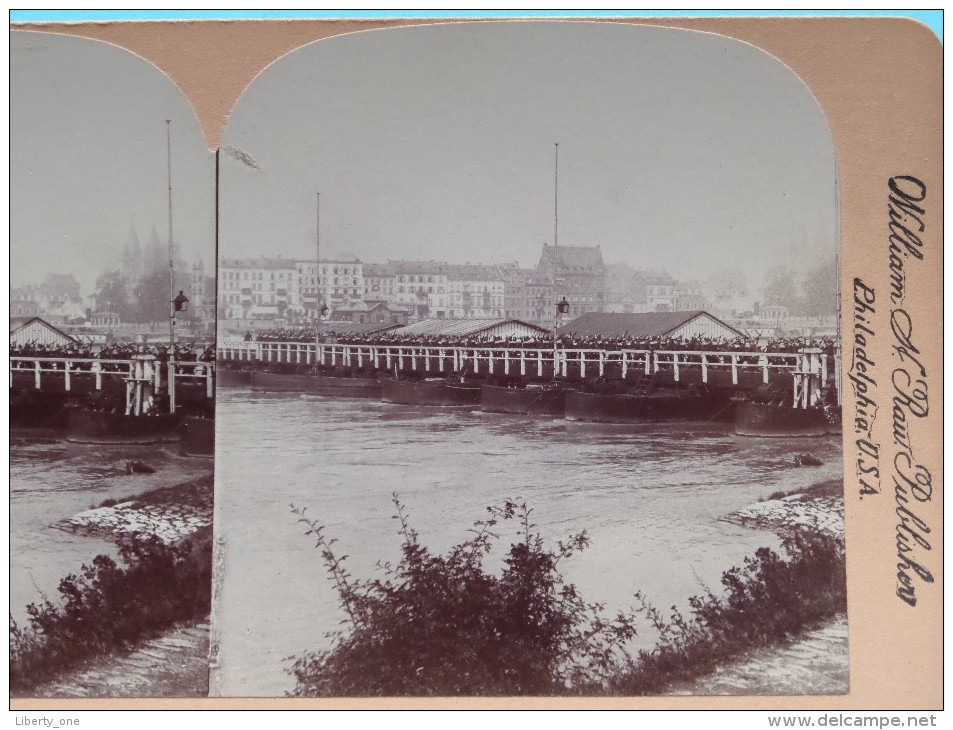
x,y
675,325
470,328
37,331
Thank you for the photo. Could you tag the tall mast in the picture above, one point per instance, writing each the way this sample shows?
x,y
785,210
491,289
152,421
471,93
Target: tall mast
x,y
556,220
555,249
168,144
170,364
317,272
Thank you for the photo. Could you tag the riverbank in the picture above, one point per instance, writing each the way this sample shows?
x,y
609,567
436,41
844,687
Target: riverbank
x,y
142,619
174,664
816,661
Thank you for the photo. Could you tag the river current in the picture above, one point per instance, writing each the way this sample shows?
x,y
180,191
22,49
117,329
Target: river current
x,y
649,497
52,479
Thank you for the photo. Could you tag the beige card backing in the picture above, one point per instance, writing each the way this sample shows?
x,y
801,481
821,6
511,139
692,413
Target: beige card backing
x,y
878,80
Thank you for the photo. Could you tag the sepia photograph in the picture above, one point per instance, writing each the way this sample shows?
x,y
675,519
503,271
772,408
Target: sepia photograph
x,y
446,360
112,362
527,358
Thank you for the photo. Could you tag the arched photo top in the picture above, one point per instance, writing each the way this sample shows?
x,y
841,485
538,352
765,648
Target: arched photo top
x,y
679,150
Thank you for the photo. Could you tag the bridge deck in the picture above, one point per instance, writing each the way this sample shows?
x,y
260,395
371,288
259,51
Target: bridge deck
x,y
494,359
92,374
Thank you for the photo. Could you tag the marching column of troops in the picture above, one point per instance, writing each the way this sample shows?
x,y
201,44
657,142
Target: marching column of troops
x,y
123,351
565,341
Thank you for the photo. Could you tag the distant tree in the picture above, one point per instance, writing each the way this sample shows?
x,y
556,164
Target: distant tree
x,y
62,285
132,256
781,287
819,288
728,280
112,293
151,294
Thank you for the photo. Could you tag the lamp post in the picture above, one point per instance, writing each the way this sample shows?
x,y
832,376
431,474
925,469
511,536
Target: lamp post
x,y
318,309
179,304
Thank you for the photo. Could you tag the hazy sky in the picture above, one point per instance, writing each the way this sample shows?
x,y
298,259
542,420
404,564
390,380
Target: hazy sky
x,y
678,150
88,159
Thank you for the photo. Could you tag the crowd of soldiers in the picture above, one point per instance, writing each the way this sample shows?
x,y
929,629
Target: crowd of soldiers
x,y
545,341
123,351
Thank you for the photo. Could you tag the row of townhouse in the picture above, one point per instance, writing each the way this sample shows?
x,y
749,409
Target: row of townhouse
x,y
279,288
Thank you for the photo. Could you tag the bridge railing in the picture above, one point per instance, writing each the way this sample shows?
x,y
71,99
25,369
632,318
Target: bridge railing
x,y
66,368
498,360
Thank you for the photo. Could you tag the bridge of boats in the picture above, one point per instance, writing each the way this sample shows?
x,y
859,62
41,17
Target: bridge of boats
x,y
706,366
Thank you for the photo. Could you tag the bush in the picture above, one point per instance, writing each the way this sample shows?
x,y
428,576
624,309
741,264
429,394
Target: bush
x,y
441,625
767,601
111,606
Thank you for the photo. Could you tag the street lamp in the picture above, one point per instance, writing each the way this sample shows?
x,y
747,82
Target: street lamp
x,y
179,304
562,307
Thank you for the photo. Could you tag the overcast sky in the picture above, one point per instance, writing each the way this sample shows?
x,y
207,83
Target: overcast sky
x,y
678,150
88,159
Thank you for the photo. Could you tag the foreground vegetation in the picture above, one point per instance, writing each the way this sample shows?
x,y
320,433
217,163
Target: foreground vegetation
x,y
442,625
111,606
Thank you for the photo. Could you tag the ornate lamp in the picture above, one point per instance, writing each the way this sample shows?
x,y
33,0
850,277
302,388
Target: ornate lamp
x,y
181,302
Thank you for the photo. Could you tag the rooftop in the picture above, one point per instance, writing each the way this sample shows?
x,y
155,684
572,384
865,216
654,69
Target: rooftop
x,y
641,325
458,327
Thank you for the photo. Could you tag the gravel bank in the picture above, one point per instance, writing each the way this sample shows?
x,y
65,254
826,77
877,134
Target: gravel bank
x,y
170,513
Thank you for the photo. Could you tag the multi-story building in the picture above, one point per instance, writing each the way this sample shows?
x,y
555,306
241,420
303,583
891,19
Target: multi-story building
x,y
341,281
380,281
475,291
201,294
420,286
54,303
576,273
259,288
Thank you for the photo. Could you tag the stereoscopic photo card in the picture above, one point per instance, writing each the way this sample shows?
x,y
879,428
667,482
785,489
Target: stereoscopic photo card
x,y
589,360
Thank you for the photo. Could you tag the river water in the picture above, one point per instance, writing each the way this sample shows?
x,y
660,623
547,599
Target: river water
x,y
650,498
52,479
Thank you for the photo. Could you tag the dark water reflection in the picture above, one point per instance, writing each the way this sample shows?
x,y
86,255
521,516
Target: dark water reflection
x,y
649,497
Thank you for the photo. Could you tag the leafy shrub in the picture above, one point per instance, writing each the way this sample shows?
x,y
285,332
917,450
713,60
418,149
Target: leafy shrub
x,y
766,601
442,625
110,606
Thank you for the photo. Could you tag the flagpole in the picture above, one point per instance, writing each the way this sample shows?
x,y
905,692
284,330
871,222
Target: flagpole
x,y
317,277
555,252
171,360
